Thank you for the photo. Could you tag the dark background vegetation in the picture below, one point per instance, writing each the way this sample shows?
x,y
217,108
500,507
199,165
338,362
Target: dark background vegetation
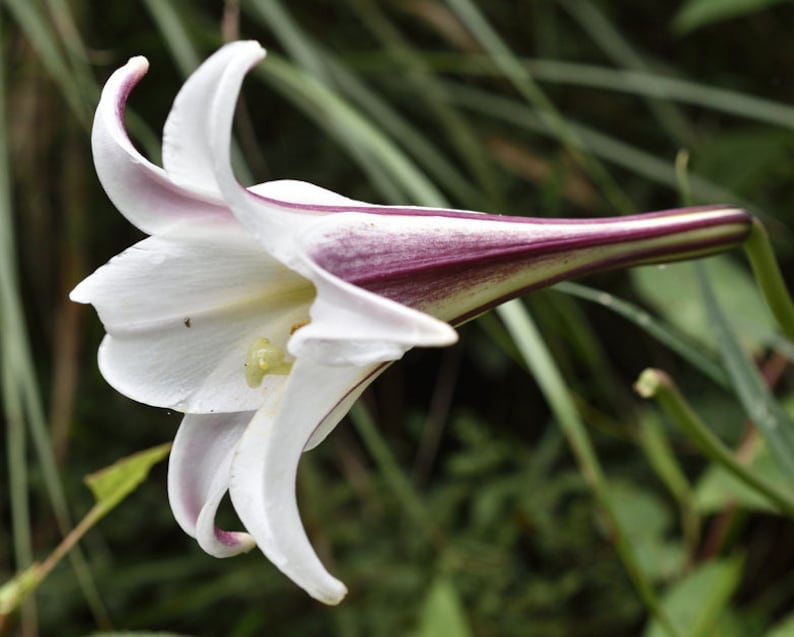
x,y
464,506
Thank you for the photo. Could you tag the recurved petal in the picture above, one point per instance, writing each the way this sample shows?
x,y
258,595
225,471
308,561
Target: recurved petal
x,y
352,326
263,471
349,326
198,478
141,191
182,310
302,193
185,153
274,229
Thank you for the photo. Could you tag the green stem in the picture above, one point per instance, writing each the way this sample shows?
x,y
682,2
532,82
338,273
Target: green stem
x,y
660,453
393,474
654,383
16,591
767,273
538,359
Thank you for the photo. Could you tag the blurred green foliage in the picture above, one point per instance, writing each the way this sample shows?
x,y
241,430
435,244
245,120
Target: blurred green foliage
x,y
451,504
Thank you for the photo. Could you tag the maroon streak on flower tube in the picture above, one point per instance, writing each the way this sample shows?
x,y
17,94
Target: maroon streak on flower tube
x,y
262,313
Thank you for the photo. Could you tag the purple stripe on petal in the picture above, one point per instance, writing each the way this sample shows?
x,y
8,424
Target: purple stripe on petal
x,y
454,269
365,253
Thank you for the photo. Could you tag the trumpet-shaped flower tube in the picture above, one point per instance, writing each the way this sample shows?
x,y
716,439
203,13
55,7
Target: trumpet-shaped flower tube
x,y
262,313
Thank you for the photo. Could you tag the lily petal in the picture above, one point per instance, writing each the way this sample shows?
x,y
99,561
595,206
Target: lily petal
x,y
263,471
457,265
185,152
179,331
142,191
198,478
280,303
350,325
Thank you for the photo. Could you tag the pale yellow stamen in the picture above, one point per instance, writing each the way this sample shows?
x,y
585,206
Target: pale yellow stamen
x,y
264,358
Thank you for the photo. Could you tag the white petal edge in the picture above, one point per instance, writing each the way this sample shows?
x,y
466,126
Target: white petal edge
x,y
264,469
181,311
141,191
350,326
185,154
198,478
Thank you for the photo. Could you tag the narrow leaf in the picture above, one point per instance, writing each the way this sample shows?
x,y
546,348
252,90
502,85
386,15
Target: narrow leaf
x,y
112,484
443,612
699,13
546,373
694,604
784,628
758,402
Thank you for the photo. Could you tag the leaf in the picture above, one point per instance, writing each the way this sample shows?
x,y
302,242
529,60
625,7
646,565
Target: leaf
x,y
443,612
16,590
674,292
697,602
646,520
717,487
784,628
756,398
698,13
653,326
723,158
109,486
112,484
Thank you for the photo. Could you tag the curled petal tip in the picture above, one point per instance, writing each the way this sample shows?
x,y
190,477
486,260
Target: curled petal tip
x,y
248,48
220,543
332,595
138,63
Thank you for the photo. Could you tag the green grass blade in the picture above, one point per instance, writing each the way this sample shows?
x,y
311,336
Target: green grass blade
x,y
428,157
657,328
769,278
29,17
542,367
656,85
664,461
359,135
393,475
758,402
175,34
16,439
604,146
326,67
296,42
517,73
72,42
647,84
20,381
418,78
622,53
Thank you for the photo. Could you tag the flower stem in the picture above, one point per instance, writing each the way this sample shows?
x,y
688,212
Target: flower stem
x,y
654,383
664,462
767,273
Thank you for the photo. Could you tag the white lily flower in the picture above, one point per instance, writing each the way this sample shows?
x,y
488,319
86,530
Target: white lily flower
x,y
263,313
